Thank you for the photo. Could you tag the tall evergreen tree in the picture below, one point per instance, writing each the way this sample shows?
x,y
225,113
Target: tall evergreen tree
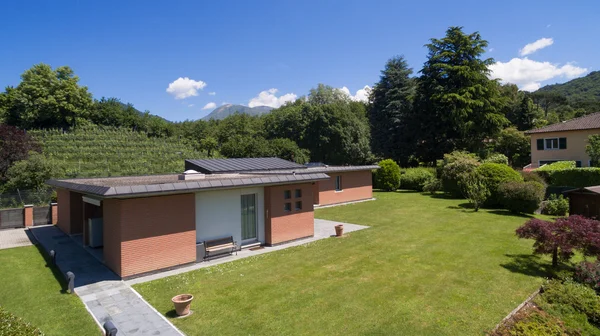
x,y
389,113
459,105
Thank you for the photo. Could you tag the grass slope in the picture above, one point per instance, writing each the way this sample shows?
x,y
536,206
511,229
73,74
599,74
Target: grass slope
x,y
30,290
109,151
427,266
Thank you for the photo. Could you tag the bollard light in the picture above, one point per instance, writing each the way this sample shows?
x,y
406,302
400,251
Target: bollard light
x,y
110,329
71,280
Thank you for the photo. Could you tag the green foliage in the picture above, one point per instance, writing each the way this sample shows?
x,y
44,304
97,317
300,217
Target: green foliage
x,y
577,296
535,323
575,177
415,178
239,147
390,110
494,175
433,185
593,149
521,197
497,158
532,176
582,89
210,145
556,205
459,106
475,189
558,165
11,325
515,145
453,166
46,98
387,177
32,173
110,151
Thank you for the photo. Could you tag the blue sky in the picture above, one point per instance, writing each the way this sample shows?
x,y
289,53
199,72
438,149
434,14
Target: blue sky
x,y
134,50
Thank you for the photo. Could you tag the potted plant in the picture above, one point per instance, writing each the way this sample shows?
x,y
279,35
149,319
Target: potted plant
x,y
339,230
182,303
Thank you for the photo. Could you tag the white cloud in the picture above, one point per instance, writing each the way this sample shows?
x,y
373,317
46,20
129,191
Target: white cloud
x,y
528,74
535,46
491,50
183,87
212,93
209,106
361,95
191,105
268,98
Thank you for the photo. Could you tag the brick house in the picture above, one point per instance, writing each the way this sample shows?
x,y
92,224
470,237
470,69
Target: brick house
x,y
565,141
141,224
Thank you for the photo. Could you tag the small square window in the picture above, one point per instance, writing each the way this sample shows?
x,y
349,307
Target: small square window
x,y
287,207
287,194
298,205
298,193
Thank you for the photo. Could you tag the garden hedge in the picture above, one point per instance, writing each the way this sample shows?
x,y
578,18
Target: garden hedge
x,y
11,325
572,177
415,178
521,197
495,174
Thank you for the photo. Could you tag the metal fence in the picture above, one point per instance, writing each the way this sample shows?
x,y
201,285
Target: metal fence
x,y
20,198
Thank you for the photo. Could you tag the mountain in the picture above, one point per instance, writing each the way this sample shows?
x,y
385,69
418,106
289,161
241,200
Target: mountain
x,y
579,90
229,109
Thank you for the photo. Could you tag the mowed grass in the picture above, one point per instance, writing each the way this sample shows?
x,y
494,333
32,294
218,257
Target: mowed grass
x,y
29,290
427,266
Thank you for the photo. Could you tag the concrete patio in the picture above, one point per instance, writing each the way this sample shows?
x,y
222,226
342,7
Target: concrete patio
x,y
10,238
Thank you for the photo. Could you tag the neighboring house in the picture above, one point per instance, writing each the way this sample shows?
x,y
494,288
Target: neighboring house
x,y
149,223
565,141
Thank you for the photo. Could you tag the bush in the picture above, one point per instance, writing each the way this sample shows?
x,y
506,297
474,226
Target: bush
x,y
11,325
497,158
529,176
475,190
454,165
521,197
495,174
415,178
588,273
556,205
574,177
558,165
432,185
387,177
580,297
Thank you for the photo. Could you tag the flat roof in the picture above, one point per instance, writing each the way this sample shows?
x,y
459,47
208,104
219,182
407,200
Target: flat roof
x,y
236,165
131,186
323,169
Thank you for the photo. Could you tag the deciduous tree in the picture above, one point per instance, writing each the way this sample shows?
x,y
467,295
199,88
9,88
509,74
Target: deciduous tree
x,y
15,145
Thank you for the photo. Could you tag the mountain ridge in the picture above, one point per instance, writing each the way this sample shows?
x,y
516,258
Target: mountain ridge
x,y
226,110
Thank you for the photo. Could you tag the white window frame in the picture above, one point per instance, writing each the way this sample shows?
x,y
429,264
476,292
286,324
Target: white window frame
x,y
557,144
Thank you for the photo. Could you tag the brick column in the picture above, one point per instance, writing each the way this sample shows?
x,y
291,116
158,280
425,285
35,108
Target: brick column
x,y
53,213
28,215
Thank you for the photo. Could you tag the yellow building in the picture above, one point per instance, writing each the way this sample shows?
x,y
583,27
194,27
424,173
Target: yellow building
x,y
565,141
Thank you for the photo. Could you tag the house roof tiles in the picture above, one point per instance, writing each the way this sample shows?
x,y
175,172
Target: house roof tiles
x,y
589,121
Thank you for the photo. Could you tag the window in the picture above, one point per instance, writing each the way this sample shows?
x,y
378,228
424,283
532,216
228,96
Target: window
x,y
298,205
338,183
551,143
287,194
287,207
298,193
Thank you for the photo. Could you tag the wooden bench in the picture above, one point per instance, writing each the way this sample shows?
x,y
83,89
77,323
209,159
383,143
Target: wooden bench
x,y
219,246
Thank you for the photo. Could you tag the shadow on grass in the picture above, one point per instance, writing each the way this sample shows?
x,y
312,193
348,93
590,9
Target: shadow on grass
x,y
406,191
172,314
528,264
58,275
508,213
444,196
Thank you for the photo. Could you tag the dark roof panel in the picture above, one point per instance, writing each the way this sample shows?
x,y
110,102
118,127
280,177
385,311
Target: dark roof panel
x,y
210,166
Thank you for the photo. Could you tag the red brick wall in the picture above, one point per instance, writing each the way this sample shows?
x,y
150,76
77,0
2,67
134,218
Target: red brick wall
x,y
355,186
28,215
64,210
282,226
154,233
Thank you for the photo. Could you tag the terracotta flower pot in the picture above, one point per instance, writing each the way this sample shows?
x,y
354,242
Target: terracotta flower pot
x,y
339,230
182,303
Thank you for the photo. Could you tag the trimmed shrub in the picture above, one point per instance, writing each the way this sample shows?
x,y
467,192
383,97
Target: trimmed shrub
x,y
529,176
475,190
521,197
454,165
495,174
388,176
556,205
580,297
415,178
575,177
432,185
588,273
11,325
497,158
558,165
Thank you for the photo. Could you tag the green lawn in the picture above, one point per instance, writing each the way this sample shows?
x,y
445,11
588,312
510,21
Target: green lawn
x,y
427,266
30,290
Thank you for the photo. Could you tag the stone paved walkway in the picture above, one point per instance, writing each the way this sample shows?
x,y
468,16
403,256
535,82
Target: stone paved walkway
x,y
10,238
103,293
323,229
